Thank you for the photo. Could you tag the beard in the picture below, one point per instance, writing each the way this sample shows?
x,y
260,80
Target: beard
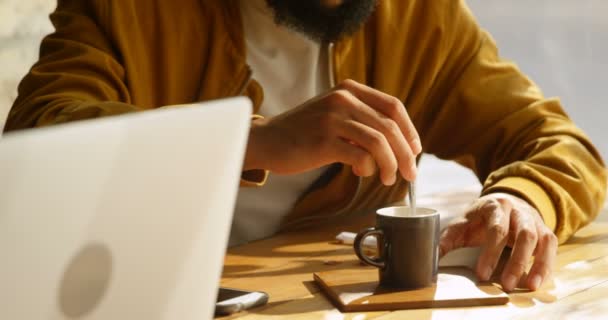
x,y
320,23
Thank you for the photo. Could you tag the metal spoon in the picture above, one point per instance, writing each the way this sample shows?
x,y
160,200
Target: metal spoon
x,y
411,191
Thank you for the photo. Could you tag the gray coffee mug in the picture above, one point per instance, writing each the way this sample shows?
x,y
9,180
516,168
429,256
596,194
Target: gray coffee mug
x,y
408,247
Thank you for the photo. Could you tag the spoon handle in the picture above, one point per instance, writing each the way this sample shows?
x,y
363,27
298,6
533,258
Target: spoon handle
x,y
411,191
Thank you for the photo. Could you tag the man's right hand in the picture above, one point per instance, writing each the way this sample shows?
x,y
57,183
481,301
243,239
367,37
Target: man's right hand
x,y
352,124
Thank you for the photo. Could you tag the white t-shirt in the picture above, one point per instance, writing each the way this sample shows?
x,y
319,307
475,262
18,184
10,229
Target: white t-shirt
x,y
291,69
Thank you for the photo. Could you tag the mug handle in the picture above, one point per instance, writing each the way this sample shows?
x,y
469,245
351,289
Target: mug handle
x,y
358,246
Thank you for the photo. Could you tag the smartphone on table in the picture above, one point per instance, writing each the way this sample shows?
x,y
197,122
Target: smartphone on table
x,y
230,300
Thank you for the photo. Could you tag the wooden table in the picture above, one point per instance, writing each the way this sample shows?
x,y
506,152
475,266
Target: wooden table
x,y
283,266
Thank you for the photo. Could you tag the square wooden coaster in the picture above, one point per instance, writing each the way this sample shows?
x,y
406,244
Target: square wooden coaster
x,y
357,290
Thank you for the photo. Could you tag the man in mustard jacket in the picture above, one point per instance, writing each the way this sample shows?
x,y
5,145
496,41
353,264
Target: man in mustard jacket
x,y
347,94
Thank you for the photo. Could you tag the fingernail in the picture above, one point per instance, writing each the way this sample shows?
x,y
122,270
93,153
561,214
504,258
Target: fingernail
x,y
417,146
388,181
414,171
509,283
392,180
535,282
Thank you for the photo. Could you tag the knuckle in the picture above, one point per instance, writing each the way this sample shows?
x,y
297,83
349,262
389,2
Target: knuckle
x,y
491,205
391,127
550,239
528,236
337,99
517,268
477,206
502,202
554,239
347,84
499,231
394,107
376,140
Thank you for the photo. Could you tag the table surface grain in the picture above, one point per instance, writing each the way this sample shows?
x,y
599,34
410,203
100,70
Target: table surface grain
x,y
283,266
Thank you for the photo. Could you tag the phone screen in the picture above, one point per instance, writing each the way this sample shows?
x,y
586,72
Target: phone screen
x,y
226,294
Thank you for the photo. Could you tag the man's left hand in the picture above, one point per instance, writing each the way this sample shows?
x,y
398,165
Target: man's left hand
x,y
498,220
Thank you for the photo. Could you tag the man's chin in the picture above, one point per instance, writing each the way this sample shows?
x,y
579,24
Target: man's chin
x,y
331,4
322,20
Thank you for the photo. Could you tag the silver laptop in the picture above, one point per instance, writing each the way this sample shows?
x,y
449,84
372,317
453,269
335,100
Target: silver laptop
x,y
120,218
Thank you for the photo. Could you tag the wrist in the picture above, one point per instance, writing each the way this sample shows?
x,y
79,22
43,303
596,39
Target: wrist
x,y
530,191
255,154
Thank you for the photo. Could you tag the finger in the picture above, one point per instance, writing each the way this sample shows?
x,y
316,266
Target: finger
x,y
349,153
496,220
453,237
525,243
388,105
389,128
543,261
374,143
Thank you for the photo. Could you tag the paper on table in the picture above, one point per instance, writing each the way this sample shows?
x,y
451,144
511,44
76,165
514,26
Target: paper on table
x,y
465,257
349,238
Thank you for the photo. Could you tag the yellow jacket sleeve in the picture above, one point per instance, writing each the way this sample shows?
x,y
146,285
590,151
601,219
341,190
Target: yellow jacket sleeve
x,y
78,75
494,120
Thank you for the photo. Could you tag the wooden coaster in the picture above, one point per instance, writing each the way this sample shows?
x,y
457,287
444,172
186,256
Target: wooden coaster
x,y
357,290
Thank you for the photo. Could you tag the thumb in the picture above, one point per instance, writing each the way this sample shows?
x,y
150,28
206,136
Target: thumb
x,y
452,237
